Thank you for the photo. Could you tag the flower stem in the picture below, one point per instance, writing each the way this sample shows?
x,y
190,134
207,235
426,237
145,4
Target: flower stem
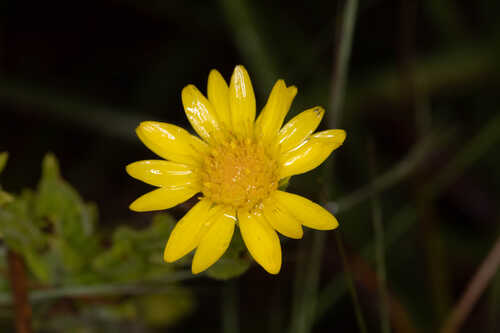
x,y
230,307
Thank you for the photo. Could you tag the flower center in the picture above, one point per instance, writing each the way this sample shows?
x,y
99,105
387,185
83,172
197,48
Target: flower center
x,y
239,174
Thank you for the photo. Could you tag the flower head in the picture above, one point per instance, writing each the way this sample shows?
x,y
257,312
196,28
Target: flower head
x,y
237,166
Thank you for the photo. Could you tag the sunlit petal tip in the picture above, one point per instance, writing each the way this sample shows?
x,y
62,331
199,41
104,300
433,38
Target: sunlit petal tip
x,y
261,240
309,213
281,220
167,257
319,111
187,233
218,95
241,102
161,173
171,142
200,113
292,91
271,118
334,135
196,269
214,242
311,153
128,169
300,128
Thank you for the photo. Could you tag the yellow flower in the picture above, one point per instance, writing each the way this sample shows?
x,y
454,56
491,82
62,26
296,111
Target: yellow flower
x,y
237,166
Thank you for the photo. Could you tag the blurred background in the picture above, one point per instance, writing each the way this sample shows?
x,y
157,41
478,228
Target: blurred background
x,y
415,187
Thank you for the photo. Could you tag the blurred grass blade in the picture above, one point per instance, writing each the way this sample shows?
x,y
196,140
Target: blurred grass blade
x,y
304,319
249,41
4,156
480,144
341,64
350,285
397,173
478,283
230,307
378,230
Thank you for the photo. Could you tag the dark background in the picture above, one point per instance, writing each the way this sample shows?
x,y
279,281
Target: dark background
x,y
77,77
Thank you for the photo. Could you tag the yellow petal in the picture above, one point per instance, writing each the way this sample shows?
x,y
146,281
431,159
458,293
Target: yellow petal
x,y
214,242
279,218
299,128
187,233
162,198
271,118
261,240
311,153
307,212
241,102
218,95
171,142
162,173
200,113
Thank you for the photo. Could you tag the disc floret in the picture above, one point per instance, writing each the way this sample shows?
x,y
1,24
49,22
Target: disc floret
x,y
239,173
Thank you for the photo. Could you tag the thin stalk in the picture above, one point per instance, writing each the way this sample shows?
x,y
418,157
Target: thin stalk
x,y
350,285
230,307
399,225
19,288
477,285
304,312
138,288
298,302
378,230
487,138
419,154
244,26
483,141
495,304
343,54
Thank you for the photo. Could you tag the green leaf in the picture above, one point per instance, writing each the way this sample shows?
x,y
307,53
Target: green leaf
x,y
58,202
18,228
5,198
37,265
137,254
233,263
71,259
4,156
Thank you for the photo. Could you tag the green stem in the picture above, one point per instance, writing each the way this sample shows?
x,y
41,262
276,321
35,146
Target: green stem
x,y
350,285
342,62
244,26
477,147
378,229
399,225
230,307
305,320
138,288
397,173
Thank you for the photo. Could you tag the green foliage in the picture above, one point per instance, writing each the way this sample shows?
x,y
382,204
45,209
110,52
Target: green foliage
x,y
136,254
165,308
55,232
